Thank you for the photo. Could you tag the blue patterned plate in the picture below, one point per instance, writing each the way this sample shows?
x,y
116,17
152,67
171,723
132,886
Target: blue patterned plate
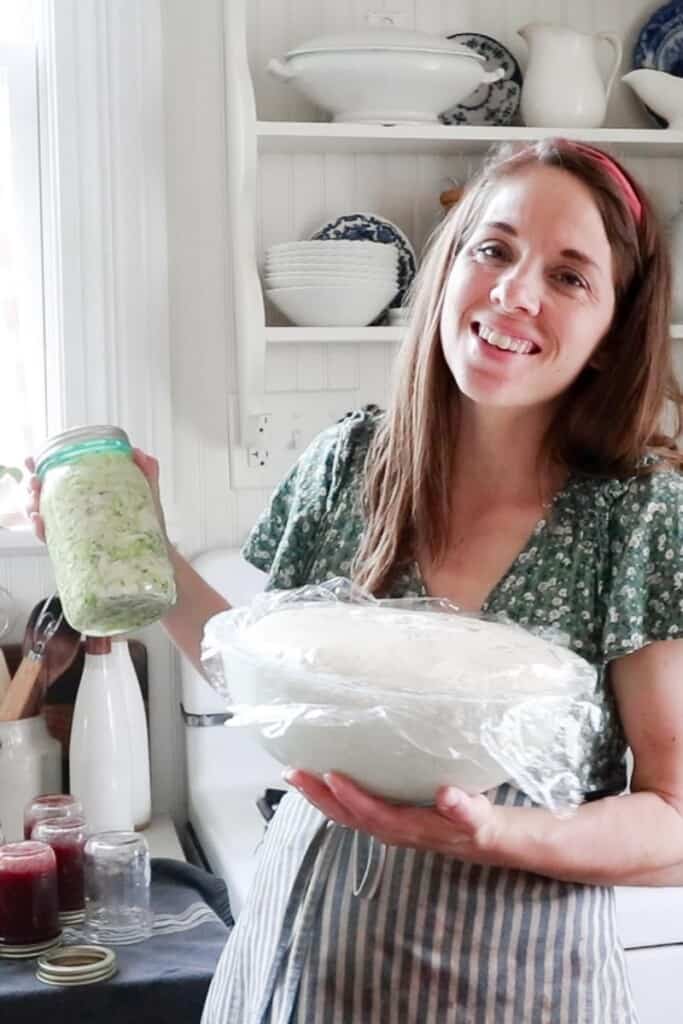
x,y
368,227
660,45
497,102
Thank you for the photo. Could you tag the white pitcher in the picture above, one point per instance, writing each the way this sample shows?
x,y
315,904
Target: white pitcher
x,y
563,87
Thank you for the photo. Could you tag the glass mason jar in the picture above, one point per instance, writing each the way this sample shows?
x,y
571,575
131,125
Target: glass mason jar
x,y
104,538
28,893
50,805
117,888
66,836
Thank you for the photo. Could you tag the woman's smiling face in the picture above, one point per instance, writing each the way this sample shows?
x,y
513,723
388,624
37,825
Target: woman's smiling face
x,y
531,293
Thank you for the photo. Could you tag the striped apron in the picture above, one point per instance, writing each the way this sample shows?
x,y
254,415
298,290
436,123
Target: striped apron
x,y
338,929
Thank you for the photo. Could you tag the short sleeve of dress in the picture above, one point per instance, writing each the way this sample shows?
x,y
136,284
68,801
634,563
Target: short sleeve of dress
x,y
644,595
283,541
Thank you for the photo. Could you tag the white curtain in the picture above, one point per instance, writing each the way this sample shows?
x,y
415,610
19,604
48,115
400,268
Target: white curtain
x,y
22,356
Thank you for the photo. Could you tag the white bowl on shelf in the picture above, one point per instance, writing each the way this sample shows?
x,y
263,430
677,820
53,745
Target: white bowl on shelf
x,y
351,271
336,246
296,280
383,75
355,305
335,260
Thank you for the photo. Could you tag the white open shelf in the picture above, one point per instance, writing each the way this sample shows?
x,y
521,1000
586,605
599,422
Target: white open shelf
x,y
325,137
356,335
332,335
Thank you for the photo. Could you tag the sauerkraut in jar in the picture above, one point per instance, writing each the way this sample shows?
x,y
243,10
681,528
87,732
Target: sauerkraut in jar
x,y
103,534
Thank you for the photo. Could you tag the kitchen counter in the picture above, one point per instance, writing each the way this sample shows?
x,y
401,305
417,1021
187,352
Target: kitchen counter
x,y
162,838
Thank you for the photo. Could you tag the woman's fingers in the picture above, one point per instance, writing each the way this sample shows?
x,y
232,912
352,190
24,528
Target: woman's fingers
x,y
148,465
38,526
32,507
150,469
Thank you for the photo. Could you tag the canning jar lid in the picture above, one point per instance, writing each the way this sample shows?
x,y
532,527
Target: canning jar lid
x,y
77,965
28,950
383,38
87,437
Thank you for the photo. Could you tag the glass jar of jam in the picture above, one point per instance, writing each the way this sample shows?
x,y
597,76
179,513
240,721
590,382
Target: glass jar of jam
x,y
50,805
28,894
67,838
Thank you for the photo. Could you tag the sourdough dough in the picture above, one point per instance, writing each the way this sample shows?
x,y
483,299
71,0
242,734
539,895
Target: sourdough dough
x,y
410,650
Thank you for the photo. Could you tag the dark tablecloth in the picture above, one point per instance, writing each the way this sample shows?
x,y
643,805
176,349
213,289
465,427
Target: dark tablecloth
x,y
162,980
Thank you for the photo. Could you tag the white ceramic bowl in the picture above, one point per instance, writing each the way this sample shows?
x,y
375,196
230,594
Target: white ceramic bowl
x,y
381,76
367,750
405,714
315,280
355,305
314,247
348,269
340,251
386,257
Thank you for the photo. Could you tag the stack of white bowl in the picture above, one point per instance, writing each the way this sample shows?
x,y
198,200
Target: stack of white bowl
x,y
331,283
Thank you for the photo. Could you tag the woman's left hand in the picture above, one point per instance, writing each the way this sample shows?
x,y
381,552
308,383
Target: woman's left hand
x,y
458,825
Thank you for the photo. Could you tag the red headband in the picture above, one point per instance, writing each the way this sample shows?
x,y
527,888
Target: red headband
x,y
616,173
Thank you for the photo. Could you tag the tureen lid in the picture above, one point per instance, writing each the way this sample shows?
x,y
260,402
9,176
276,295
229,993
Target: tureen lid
x,y
383,38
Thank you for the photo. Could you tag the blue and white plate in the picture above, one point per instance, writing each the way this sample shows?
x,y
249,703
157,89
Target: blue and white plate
x,y
497,102
660,44
371,228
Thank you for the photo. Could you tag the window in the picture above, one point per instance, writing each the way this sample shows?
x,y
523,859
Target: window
x,y
22,339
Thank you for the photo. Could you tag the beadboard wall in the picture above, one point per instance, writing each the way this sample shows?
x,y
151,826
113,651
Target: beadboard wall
x,y
296,193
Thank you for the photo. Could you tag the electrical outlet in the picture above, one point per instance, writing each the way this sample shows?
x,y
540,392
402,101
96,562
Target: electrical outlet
x,y
387,19
263,423
257,458
293,420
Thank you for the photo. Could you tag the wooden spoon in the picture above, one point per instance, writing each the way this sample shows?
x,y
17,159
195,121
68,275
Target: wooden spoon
x,y
46,631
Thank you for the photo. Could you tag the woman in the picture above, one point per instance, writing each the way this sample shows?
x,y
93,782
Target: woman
x,y
520,468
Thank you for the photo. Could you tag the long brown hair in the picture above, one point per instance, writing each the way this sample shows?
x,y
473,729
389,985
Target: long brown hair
x,y
604,424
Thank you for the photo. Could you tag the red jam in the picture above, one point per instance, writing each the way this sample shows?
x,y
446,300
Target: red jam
x,y
67,838
28,894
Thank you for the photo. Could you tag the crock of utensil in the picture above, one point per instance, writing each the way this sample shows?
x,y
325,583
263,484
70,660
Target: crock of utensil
x,y
30,763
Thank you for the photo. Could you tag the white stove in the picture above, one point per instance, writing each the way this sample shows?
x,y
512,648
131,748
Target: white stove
x,y
228,774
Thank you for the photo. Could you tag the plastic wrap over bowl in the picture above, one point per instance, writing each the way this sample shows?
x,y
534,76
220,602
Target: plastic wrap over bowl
x,y
405,696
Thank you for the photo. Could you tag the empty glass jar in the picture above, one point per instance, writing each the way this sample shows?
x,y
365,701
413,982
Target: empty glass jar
x,y
117,888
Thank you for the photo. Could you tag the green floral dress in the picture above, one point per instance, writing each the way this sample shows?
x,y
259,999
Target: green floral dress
x,y
450,941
